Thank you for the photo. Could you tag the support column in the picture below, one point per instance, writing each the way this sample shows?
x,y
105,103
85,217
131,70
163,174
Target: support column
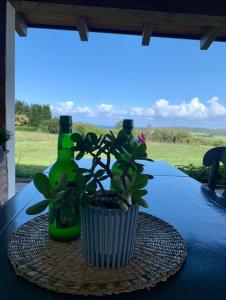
x,y
10,94
7,85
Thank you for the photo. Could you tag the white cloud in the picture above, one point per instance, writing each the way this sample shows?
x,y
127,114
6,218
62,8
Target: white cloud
x,y
142,112
63,107
215,108
84,110
110,110
194,109
105,108
68,107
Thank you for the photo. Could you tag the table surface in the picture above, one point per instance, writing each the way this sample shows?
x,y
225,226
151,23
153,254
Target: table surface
x,y
196,212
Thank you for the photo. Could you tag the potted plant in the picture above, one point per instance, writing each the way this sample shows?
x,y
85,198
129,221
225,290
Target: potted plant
x,y
108,208
5,135
109,213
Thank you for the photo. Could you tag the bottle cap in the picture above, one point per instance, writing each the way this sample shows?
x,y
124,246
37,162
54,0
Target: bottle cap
x,y
127,124
65,120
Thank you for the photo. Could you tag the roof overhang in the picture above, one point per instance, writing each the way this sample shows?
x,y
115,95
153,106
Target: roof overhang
x,y
204,20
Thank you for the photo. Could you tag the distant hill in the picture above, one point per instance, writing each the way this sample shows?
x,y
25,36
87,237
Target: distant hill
x,y
207,131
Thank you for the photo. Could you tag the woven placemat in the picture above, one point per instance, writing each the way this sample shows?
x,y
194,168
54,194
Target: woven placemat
x,y
159,253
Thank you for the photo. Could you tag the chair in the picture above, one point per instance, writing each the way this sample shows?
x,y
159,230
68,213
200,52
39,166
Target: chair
x,y
1,154
212,158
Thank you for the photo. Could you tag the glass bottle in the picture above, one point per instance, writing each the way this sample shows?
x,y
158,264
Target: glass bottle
x,y
68,229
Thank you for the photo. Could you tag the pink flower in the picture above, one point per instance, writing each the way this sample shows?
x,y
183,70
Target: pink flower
x,y
141,138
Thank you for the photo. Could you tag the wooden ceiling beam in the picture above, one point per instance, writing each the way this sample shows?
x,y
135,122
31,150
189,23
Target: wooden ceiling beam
x,y
21,24
209,35
83,29
147,32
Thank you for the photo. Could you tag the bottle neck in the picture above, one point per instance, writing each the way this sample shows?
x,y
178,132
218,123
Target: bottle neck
x,y
128,131
65,146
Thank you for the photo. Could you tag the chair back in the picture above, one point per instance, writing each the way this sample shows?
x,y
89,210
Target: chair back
x,y
212,158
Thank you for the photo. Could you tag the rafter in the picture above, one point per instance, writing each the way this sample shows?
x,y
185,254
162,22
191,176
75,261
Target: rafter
x,y
147,32
82,27
21,24
208,37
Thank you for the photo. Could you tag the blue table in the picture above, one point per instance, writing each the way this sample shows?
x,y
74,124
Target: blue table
x,y
197,213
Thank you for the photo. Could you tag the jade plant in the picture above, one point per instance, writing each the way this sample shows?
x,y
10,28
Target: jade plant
x,y
126,188
5,135
62,197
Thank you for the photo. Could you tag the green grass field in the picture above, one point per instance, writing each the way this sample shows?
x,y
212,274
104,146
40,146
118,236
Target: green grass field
x,y
35,151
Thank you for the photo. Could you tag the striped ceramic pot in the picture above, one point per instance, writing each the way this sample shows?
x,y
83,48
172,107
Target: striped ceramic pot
x,y
108,235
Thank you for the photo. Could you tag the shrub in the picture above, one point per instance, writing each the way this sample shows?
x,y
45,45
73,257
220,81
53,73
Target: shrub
x,y
163,135
201,173
84,128
21,120
50,126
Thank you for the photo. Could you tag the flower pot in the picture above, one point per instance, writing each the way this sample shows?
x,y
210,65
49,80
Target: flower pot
x,y
108,235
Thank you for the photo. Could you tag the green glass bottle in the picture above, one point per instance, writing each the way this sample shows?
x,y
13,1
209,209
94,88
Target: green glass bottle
x,y
127,128
58,230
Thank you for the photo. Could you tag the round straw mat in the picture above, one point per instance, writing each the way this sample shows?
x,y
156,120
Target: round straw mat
x,y
159,253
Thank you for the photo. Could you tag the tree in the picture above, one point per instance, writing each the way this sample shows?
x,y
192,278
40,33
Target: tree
x,y
36,115
118,124
53,125
22,108
21,120
46,113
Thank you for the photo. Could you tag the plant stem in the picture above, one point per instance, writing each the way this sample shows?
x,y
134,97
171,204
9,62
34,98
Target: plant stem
x,y
98,160
100,184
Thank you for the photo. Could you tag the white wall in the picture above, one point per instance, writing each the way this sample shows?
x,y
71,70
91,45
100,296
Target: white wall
x,y
10,94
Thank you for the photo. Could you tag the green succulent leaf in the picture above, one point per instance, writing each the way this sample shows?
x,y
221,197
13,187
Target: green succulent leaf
x,y
128,183
80,155
143,158
126,155
149,176
42,184
88,177
141,150
117,184
63,182
127,197
123,206
91,186
141,202
104,177
110,137
138,194
99,173
140,182
57,197
92,137
76,138
38,207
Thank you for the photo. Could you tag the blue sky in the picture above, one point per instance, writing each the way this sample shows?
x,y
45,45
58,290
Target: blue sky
x,y
110,77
